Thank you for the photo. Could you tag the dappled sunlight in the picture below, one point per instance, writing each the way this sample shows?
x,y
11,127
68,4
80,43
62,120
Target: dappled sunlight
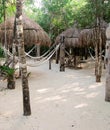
x,y
70,76
38,98
65,88
65,91
78,89
42,90
81,105
93,86
80,93
7,113
92,95
51,98
71,87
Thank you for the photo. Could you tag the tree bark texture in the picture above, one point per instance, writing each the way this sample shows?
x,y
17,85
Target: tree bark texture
x,y
107,62
22,58
11,82
11,79
62,54
98,55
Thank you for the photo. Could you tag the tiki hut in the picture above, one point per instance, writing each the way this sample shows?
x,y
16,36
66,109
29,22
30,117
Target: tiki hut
x,y
33,33
87,37
72,45
71,37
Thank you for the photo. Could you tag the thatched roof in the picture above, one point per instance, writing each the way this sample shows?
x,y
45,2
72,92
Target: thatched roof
x,y
33,33
87,37
71,37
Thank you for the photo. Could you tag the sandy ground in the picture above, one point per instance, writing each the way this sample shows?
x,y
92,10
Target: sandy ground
x,y
69,100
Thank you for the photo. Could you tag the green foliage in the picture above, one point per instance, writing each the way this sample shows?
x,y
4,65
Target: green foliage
x,y
1,53
57,15
7,71
7,9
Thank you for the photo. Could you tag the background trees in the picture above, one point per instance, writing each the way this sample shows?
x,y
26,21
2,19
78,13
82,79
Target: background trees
x,y
55,16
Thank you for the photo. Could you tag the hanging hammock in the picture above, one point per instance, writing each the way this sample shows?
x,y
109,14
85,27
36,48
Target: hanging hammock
x,y
42,59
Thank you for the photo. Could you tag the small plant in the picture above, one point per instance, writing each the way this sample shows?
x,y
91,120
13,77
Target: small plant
x,y
6,71
1,53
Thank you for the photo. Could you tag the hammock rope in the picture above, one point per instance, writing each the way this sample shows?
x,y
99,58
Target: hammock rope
x,y
39,57
40,62
45,59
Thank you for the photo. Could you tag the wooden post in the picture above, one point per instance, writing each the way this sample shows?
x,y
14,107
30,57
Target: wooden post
x,y
62,54
57,55
38,49
50,64
75,60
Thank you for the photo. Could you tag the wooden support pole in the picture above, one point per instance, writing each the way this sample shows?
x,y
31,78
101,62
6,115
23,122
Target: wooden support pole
x,y
38,50
50,67
62,54
57,55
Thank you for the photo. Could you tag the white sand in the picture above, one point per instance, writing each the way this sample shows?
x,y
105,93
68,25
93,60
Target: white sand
x,y
69,100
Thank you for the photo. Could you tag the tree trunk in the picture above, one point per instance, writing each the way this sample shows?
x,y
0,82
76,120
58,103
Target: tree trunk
x,y
22,58
11,78
107,62
98,50
62,54
11,82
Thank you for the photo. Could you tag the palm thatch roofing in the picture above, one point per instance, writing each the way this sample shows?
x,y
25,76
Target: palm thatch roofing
x,y
33,33
88,37
71,37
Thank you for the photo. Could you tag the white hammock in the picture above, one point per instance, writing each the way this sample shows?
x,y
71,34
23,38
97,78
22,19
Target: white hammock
x,y
31,50
40,57
40,63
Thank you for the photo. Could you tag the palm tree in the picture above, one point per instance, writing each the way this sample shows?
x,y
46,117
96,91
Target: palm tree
x,y
22,58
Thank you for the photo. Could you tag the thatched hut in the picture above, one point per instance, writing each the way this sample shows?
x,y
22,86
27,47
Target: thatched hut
x,y
71,37
87,37
71,42
33,33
